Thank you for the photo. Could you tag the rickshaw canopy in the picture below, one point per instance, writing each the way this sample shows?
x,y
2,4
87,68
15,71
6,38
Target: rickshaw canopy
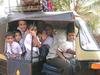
x,y
49,16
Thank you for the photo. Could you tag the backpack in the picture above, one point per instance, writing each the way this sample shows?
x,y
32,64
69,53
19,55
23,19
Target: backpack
x,y
43,50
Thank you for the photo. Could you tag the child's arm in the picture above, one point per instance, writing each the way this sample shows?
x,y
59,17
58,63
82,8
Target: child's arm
x,y
71,51
10,56
36,42
27,42
60,54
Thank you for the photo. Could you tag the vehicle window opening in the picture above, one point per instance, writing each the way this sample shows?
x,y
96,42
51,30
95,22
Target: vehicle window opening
x,y
87,40
56,25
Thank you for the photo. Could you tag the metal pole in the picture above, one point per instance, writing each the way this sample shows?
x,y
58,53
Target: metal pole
x,y
9,6
32,49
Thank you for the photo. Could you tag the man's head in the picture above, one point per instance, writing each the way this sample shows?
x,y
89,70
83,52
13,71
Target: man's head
x,y
22,25
9,37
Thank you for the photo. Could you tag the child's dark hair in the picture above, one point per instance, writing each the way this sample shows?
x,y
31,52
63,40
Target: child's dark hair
x,y
9,34
67,32
39,32
70,28
17,31
49,27
22,20
32,27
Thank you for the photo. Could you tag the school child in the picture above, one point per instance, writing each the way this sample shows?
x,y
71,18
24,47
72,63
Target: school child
x,y
49,30
22,27
46,39
39,35
63,56
46,43
12,48
66,51
18,38
32,44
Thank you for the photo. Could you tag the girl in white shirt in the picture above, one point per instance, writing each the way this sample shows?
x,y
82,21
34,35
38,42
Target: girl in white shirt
x,y
32,44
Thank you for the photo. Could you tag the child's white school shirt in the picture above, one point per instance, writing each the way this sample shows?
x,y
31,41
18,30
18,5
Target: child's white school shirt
x,y
14,48
64,46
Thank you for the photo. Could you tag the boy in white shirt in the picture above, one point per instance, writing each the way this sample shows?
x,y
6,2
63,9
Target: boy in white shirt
x,y
65,54
12,48
18,38
66,50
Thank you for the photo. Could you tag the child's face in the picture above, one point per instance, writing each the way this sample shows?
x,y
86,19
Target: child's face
x,y
71,36
49,30
18,36
9,39
39,35
44,36
33,32
22,25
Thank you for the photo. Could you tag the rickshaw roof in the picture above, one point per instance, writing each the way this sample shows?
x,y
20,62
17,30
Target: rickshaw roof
x,y
49,16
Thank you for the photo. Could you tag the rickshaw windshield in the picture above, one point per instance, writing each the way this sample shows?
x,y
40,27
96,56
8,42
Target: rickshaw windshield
x,y
88,40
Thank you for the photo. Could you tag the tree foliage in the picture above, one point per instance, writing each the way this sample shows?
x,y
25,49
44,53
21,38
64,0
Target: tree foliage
x,y
61,5
1,1
89,10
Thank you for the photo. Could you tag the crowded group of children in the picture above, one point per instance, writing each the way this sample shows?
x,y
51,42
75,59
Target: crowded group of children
x,y
26,41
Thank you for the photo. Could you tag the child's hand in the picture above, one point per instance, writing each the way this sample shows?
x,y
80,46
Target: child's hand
x,y
13,56
71,51
36,42
66,60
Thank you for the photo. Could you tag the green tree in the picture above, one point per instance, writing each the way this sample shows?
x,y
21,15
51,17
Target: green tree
x,y
61,5
1,1
89,10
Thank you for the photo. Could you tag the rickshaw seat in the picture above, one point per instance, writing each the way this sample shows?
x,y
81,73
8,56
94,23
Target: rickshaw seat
x,y
50,70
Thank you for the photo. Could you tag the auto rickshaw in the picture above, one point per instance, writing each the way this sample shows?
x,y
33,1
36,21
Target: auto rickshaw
x,y
87,46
